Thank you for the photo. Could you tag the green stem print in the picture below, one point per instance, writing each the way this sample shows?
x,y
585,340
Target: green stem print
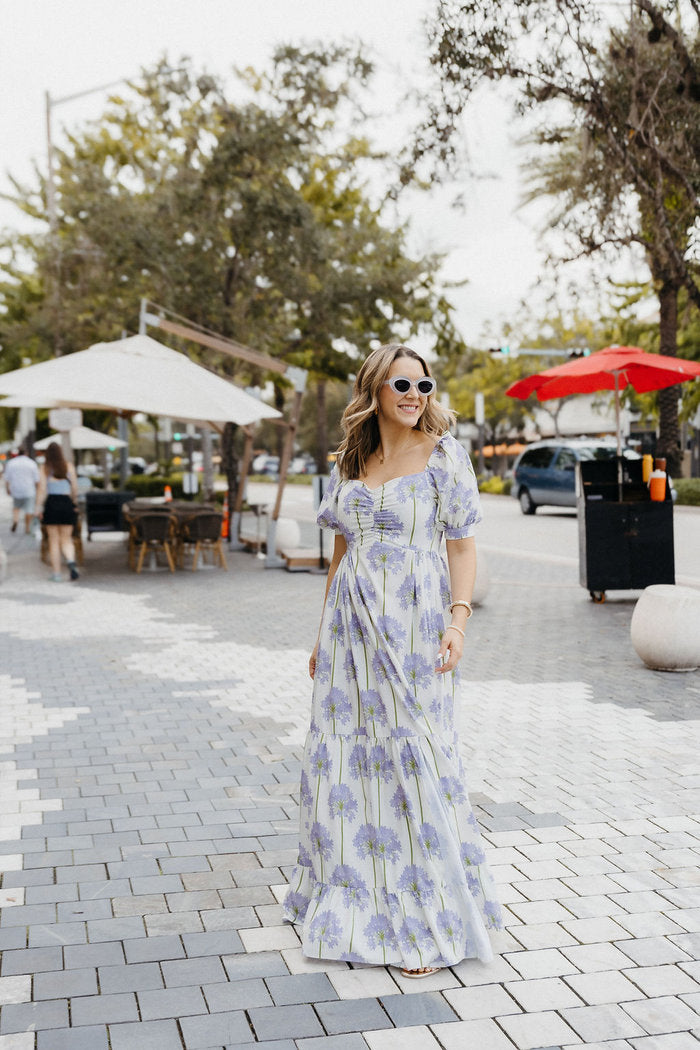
x,y
420,800
413,525
410,837
342,840
352,928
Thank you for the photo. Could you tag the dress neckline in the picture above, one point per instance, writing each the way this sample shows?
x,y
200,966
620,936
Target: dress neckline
x,y
401,477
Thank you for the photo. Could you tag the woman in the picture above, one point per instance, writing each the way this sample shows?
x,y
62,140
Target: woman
x,y
57,493
391,868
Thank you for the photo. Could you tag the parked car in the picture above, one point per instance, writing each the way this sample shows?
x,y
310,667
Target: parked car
x,y
544,474
264,464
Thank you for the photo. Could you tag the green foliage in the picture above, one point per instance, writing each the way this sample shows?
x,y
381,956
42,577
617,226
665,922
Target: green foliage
x,y
496,486
688,490
154,485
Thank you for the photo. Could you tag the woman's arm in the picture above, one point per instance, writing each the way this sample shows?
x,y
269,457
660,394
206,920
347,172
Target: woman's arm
x,y
41,493
73,478
461,562
339,550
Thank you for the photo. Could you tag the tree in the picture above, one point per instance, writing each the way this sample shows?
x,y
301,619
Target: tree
x,y
489,374
251,218
618,107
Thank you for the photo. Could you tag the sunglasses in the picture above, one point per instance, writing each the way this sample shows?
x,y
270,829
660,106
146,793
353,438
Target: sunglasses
x,y
401,385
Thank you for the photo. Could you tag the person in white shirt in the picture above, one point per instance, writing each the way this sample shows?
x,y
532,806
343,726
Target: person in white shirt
x,y
21,481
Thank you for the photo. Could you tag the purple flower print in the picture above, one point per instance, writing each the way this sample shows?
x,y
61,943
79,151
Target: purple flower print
x,y
336,628
336,705
321,841
473,884
379,764
411,487
450,924
323,665
303,860
326,929
358,501
471,854
401,804
382,843
416,881
453,790
408,592
342,802
414,934
321,762
380,933
384,670
296,905
384,556
346,875
432,626
305,791
429,840
414,706
366,590
385,521
358,762
373,708
349,667
358,631
411,760
418,671
391,631
494,919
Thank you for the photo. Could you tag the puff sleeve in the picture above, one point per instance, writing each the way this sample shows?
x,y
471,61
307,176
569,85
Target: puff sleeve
x,y
327,515
459,506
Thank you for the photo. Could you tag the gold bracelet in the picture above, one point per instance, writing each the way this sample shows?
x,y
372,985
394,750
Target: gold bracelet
x,y
465,604
454,627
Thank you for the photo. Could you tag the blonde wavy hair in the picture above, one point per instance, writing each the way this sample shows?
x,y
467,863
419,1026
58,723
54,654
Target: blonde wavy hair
x,y
359,422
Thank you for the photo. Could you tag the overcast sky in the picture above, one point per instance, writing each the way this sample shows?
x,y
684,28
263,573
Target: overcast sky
x,y
67,46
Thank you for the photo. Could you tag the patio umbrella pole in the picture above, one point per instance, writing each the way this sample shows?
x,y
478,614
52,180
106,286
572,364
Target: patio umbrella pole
x,y
618,435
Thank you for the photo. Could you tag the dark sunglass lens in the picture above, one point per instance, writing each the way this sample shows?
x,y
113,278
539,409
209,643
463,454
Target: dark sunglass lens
x,y
401,386
426,386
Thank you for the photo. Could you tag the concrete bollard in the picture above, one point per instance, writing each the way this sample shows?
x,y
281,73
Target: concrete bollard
x,y
288,535
665,628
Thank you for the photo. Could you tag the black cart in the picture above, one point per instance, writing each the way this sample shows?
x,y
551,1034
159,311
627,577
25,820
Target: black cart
x,y
625,538
103,511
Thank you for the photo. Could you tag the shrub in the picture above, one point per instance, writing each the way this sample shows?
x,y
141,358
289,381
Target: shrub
x,y
496,485
688,490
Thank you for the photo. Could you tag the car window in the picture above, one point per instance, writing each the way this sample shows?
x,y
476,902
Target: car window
x,y
537,457
566,460
597,452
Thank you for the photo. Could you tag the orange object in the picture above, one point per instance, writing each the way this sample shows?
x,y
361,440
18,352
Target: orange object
x,y
647,467
225,523
167,494
657,485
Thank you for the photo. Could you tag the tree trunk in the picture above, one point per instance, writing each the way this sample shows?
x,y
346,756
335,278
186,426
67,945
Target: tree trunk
x,y
669,445
321,427
281,431
229,461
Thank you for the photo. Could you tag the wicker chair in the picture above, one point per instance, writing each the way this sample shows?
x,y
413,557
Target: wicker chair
x,y
202,533
151,531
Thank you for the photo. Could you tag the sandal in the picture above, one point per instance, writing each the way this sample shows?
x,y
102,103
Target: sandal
x,y
425,971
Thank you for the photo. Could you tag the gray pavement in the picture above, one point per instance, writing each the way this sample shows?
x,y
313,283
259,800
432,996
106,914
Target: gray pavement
x,y
148,775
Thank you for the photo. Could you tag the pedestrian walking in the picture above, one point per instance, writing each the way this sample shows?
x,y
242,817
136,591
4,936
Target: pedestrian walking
x,y
391,869
58,491
21,480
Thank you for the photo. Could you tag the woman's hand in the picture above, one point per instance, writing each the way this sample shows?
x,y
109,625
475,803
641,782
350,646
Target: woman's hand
x,y
312,661
451,648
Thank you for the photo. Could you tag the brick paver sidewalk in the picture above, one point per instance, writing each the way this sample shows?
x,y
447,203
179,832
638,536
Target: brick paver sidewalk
x,y
152,728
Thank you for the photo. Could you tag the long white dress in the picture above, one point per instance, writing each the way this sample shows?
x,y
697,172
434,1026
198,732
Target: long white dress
x,y
391,868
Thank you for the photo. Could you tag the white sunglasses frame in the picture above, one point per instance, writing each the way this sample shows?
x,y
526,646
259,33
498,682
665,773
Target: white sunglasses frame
x,y
414,385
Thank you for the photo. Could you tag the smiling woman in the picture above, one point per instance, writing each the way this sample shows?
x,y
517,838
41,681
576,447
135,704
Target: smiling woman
x,y
391,869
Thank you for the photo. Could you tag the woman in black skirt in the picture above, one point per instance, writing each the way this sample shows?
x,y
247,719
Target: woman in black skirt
x,y
58,491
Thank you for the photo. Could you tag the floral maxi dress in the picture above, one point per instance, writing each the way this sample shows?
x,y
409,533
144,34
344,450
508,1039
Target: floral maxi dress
x,y
390,866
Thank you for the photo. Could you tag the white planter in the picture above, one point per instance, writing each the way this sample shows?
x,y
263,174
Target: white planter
x,y
665,628
288,535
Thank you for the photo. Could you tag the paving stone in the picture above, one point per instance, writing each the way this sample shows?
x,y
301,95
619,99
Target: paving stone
x,y
107,1009
134,978
422,1008
170,1002
661,1015
91,1037
418,1038
108,953
236,995
531,1031
599,1023
276,1022
31,960
351,1015
330,1042
63,984
21,1017
146,1035
463,1035
301,988
183,972
153,949
211,1030
211,943
15,989
264,964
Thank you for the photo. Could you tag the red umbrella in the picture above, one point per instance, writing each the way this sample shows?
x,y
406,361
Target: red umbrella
x,y
613,368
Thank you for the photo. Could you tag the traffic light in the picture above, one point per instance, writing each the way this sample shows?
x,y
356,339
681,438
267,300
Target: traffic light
x,y
579,351
503,351
177,436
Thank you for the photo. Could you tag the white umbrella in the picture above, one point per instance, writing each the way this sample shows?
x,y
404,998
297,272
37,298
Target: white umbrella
x,y
83,438
137,374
